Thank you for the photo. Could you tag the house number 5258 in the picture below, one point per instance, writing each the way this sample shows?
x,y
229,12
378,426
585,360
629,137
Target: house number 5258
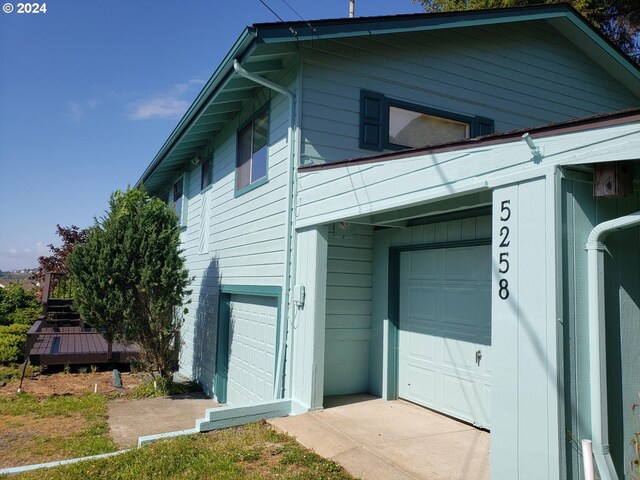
x,y
503,249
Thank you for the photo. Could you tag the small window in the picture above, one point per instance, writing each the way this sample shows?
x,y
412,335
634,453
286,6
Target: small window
x,y
251,161
388,124
177,198
207,174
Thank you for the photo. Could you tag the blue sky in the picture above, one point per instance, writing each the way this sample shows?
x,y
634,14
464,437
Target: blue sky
x,y
90,90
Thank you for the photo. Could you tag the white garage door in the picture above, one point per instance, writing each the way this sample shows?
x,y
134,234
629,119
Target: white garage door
x,y
252,346
445,331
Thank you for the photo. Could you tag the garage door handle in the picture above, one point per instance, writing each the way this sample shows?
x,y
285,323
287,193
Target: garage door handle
x,y
478,357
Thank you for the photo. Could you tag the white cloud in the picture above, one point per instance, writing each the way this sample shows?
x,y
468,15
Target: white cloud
x,y
13,251
41,248
27,250
169,104
76,110
158,107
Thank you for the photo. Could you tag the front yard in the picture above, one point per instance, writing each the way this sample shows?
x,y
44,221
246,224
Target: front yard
x,y
59,417
252,452
34,430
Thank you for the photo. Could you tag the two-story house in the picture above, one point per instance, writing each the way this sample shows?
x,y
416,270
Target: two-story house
x,y
401,205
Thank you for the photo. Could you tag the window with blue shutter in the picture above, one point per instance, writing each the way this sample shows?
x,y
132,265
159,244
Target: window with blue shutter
x,y
371,121
389,124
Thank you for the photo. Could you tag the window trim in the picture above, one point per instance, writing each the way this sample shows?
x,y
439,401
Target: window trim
x,y
476,123
182,215
203,186
261,181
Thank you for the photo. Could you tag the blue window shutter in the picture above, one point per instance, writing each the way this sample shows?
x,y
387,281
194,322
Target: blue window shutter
x,y
371,120
483,126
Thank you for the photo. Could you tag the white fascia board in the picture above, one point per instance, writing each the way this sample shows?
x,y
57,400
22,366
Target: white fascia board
x,y
332,194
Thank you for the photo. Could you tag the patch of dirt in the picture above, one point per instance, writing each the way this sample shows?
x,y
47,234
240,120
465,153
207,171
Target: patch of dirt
x,y
50,426
46,385
19,437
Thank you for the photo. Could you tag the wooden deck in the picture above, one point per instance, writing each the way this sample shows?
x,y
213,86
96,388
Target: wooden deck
x,y
74,345
61,337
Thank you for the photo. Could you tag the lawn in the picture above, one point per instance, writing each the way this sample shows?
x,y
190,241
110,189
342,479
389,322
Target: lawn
x,y
58,418
34,430
255,451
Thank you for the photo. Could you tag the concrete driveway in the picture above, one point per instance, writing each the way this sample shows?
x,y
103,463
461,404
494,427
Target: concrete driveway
x,y
373,439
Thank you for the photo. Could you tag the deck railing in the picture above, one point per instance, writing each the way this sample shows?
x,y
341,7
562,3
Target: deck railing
x,y
57,286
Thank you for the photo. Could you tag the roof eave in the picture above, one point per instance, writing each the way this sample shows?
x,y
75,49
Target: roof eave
x,y
239,48
325,29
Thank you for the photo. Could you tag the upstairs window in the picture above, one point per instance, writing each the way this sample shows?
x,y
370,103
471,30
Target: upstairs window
x,y
206,174
251,160
178,197
408,128
388,124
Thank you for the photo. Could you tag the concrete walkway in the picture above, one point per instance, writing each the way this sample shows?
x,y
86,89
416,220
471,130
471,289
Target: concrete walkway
x,y
132,419
373,439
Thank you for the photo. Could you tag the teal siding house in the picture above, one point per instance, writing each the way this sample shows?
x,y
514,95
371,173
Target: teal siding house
x,y
434,207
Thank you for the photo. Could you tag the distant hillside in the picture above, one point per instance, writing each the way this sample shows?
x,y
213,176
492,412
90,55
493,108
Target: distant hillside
x,y
21,278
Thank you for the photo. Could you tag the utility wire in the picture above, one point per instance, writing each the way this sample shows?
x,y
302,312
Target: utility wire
x,y
271,10
300,16
294,11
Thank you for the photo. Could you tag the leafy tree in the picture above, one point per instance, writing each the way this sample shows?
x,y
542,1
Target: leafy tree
x,y
617,19
130,277
57,261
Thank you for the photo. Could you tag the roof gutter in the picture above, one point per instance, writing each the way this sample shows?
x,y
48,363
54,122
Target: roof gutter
x,y
204,98
279,379
597,353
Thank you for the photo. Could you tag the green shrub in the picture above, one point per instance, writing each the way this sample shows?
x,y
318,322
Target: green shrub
x,y
14,299
12,342
15,329
26,315
12,348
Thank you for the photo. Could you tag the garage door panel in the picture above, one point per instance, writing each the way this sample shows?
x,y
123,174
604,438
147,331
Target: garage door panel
x,y
419,347
423,303
457,263
458,397
421,385
427,265
445,319
252,339
456,355
459,305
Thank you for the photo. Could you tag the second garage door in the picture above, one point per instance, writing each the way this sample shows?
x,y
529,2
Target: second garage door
x,y
252,346
445,331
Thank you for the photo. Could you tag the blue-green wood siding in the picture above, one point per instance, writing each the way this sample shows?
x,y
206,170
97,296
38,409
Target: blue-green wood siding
x,y
246,235
581,212
519,76
348,310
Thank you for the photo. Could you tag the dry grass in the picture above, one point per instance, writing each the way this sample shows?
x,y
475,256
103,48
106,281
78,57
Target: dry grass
x,y
256,451
44,385
34,430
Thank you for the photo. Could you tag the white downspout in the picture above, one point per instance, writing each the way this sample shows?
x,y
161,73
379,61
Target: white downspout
x,y
278,387
598,361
